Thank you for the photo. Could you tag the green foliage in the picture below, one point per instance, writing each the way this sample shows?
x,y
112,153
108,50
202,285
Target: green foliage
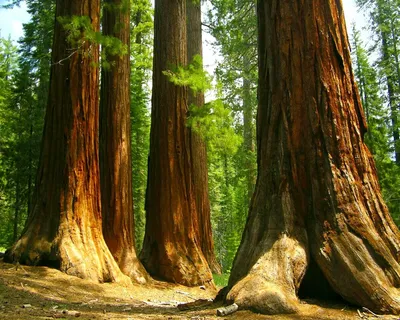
x,y
193,76
123,6
141,66
213,122
21,117
226,197
376,112
389,178
221,280
9,116
81,36
380,93
233,23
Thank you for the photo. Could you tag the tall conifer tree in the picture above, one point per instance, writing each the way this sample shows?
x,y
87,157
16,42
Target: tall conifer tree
x,y
197,144
115,144
317,197
64,229
171,248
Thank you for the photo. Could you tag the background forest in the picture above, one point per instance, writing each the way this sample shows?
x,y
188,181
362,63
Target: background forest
x,y
230,129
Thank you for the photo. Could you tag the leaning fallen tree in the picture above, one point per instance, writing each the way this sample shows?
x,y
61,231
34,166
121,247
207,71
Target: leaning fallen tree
x,y
317,196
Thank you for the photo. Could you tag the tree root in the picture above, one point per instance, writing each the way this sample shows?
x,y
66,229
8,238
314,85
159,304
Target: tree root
x,y
263,297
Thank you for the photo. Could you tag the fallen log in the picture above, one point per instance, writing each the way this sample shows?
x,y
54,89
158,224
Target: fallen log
x,y
227,310
195,304
186,294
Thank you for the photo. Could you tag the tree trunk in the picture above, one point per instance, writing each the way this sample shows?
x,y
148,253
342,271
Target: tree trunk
x,y
362,83
17,207
317,191
115,147
171,248
395,108
64,229
197,145
390,81
30,173
18,191
248,126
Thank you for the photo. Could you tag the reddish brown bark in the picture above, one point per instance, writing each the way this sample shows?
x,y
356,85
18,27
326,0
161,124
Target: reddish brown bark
x,y
317,190
171,248
64,228
115,146
197,145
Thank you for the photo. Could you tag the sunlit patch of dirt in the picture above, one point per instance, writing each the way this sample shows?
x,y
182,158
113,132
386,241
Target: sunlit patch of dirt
x,y
44,293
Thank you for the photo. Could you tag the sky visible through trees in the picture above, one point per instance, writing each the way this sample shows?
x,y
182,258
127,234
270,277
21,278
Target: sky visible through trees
x,y
11,24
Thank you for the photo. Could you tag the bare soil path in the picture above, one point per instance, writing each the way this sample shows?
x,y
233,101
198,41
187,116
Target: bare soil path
x,y
43,293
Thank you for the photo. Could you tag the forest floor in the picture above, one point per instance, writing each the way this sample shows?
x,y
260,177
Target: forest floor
x,y
43,293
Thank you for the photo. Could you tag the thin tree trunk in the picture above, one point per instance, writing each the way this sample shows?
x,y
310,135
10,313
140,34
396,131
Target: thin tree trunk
x,y
138,20
197,145
390,82
171,248
248,129
360,74
64,229
115,146
317,191
30,178
396,134
138,136
17,208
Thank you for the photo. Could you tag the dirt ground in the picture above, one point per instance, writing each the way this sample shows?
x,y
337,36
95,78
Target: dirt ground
x,y
43,293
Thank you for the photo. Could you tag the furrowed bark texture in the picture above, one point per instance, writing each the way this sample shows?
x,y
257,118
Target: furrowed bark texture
x,y
317,190
197,144
64,229
171,248
115,147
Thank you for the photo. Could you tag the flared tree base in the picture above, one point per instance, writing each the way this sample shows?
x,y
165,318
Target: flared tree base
x,y
185,266
270,287
76,255
350,270
131,266
255,293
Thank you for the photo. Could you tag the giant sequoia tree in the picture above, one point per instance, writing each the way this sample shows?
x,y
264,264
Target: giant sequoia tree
x,y
64,229
115,144
317,196
197,145
171,248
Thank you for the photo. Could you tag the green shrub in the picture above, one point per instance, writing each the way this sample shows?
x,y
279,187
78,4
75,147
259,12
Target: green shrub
x,y
221,280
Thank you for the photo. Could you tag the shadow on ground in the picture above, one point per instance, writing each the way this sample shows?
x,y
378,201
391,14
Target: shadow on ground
x,y
43,293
